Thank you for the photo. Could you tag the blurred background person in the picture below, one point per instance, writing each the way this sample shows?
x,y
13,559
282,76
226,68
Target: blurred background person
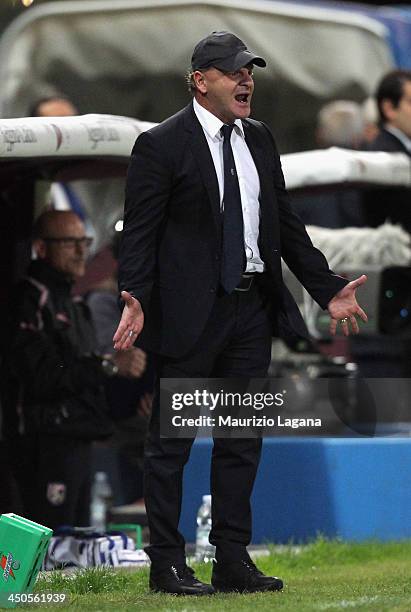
x,y
61,405
393,96
53,106
339,124
62,195
370,116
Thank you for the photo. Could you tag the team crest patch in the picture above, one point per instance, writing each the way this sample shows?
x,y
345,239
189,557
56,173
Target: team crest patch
x,y
56,493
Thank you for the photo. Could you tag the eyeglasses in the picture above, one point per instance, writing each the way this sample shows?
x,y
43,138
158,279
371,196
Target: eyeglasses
x,y
71,242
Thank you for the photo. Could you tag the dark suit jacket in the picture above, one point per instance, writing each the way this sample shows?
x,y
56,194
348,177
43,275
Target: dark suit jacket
x,y
385,141
171,243
394,203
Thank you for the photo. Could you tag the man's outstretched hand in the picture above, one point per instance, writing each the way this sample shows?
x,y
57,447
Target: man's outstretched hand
x,y
131,323
343,308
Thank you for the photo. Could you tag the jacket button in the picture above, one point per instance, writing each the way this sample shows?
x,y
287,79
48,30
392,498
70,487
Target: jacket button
x,y
212,290
217,257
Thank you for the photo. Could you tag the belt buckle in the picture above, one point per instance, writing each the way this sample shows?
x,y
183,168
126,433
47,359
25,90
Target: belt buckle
x,y
246,277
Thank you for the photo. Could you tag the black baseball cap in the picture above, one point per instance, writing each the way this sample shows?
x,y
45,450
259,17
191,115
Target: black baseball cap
x,y
225,51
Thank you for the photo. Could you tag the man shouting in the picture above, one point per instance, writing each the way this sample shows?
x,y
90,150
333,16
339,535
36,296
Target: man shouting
x,y
207,220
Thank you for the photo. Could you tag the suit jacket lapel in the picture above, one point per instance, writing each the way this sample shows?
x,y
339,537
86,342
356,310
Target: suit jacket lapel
x,y
260,154
202,155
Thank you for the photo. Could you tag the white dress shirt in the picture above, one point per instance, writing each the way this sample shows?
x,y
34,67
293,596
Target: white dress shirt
x,y
248,179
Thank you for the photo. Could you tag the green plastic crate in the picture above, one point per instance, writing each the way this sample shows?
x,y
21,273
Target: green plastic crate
x,y
23,545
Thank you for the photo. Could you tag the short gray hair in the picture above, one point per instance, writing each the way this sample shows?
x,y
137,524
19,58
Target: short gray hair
x,y
191,86
340,123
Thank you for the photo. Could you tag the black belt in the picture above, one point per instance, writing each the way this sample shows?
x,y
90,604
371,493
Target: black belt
x,y
246,282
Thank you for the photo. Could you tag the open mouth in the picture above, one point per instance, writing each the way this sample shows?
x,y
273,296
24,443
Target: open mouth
x,y
242,98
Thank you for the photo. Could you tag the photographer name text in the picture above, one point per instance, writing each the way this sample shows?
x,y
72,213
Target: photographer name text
x,y
253,421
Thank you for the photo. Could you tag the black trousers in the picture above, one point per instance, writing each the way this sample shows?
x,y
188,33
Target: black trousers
x,y
54,476
236,342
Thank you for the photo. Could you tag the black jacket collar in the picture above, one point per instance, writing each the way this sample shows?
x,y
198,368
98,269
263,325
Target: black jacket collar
x,y
50,277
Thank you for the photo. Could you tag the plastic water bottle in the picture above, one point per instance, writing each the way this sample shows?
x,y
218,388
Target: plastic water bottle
x,y
204,550
101,497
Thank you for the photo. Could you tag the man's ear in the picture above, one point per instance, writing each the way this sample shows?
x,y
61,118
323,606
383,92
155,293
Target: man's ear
x,y
40,248
388,109
199,80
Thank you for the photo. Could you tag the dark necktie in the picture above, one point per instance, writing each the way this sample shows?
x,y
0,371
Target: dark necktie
x,y
233,252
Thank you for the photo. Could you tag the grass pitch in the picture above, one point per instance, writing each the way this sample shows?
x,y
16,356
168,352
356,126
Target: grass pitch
x,y
324,575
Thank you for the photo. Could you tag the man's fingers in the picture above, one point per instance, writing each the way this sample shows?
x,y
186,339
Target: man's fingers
x,y
358,281
362,314
344,326
123,335
119,332
120,345
129,337
333,327
123,340
131,323
346,322
354,324
127,297
123,327
126,325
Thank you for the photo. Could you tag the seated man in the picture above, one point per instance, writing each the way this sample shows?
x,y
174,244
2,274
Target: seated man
x,y
62,405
